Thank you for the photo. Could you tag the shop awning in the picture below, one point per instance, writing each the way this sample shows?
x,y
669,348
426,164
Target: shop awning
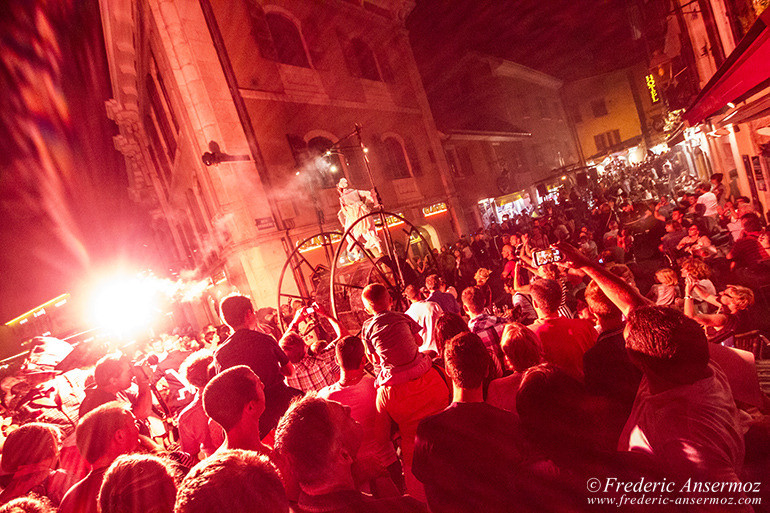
x,y
617,149
745,72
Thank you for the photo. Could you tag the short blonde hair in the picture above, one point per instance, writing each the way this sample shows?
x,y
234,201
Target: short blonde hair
x,y
666,276
743,296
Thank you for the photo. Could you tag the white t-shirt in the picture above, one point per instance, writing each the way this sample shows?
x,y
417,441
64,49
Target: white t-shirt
x,y
692,429
361,398
709,200
425,313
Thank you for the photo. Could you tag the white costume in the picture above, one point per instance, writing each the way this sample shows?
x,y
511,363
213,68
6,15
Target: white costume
x,y
353,206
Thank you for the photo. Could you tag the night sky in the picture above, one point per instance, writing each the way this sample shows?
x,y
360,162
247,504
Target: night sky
x,y
64,209
565,38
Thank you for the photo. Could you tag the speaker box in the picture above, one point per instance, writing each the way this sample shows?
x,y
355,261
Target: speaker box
x,y
593,174
541,190
582,179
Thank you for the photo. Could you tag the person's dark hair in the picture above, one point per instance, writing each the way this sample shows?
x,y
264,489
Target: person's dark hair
x,y
717,177
546,294
138,483
29,444
751,222
447,326
700,210
108,367
607,257
228,393
521,346
29,504
745,199
232,481
267,315
704,187
552,407
432,282
411,292
223,331
234,309
198,368
665,341
473,299
466,360
624,272
676,225
599,303
305,437
96,429
350,352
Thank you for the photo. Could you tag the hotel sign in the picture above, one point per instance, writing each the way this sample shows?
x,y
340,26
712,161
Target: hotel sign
x,y
652,87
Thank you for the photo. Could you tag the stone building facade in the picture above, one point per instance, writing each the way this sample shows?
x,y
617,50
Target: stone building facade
x,y
271,86
505,132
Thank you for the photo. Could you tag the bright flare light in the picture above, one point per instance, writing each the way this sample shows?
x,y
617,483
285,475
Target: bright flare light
x,y
124,305
128,305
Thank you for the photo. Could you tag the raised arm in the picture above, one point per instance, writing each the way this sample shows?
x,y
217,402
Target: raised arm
x,y
713,320
524,289
625,297
339,330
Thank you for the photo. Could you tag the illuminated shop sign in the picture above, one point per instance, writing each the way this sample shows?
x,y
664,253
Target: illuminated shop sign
x,y
318,241
434,209
391,220
652,87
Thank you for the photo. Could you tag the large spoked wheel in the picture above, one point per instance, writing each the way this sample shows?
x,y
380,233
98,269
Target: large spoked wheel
x,y
348,276
305,274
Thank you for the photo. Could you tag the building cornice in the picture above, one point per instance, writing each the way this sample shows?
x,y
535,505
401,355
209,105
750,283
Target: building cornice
x,y
506,68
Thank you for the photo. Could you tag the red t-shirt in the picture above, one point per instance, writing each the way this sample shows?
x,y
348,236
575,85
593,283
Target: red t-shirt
x,y
565,341
510,267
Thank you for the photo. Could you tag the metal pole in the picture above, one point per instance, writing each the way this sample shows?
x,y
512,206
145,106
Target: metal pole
x,y
386,230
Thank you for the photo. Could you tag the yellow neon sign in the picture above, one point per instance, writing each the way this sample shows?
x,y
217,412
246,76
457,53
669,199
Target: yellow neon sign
x,y
653,88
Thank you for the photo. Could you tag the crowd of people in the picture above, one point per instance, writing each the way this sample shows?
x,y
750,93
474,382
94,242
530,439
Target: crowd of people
x,y
593,338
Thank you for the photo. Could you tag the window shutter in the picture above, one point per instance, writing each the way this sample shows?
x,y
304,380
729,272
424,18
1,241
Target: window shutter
x,y
298,148
350,57
385,69
261,32
414,157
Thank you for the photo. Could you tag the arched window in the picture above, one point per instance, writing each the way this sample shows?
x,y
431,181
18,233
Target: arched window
x,y
395,163
328,167
365,66
287,40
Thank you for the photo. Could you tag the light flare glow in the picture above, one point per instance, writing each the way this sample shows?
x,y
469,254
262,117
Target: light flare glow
x,y
128,305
